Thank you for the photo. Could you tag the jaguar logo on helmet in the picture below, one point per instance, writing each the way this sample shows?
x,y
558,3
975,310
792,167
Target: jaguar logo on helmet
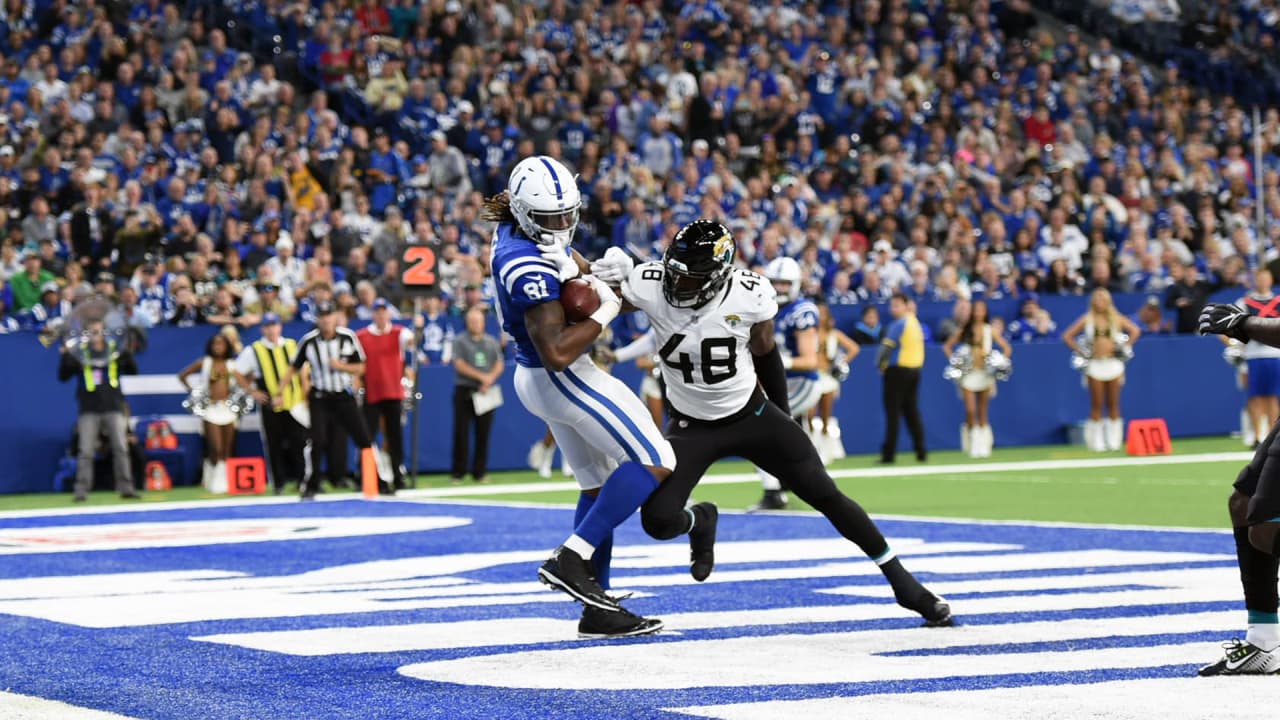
x,y
697,264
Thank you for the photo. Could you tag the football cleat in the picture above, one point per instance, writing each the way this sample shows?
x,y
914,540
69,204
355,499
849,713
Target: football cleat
x,y
772,500
598,624
702,541
566,570
935,611
1243,658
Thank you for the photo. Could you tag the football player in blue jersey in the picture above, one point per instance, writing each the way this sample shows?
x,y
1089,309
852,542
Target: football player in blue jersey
x,y
618,455
797,325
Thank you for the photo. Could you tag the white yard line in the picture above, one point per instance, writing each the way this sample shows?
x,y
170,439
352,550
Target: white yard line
x,y
854,473
25,707
480,491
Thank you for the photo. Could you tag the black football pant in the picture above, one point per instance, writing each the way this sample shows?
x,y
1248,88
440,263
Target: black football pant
x,y
464,415
902,401
1260,479
334,416
388,411
286,441
764,435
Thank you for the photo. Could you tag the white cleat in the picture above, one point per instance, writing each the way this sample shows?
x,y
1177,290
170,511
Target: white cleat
x,y
1242,658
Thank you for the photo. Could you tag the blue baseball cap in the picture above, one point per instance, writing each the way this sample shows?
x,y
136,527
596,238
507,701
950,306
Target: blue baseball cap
x,y
271,319
380,304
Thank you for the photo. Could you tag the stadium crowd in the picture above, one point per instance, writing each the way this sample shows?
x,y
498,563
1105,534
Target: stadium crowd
x,y
212,162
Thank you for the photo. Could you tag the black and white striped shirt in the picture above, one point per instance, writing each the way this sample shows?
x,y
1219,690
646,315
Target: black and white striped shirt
x,y
320,354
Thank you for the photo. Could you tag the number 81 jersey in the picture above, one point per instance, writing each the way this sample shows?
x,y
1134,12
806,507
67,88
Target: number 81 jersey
x,y
705,358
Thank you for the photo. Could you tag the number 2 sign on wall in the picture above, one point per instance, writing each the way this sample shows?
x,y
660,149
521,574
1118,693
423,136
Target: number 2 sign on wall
x,y
419,273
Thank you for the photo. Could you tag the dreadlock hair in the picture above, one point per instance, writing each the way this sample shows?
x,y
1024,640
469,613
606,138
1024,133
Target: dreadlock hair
x,y
497,208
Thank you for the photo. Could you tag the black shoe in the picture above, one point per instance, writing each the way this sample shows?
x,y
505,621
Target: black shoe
x,y
702,541
80,498
772,500
130,496
597,623
307,490
399,484
935,611
385,488
922,457
885,461
566,570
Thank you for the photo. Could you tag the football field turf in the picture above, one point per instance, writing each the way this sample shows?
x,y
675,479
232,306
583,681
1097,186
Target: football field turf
x,y
1080,582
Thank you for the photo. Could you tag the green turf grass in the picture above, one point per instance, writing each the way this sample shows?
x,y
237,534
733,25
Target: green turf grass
x,y
1191,494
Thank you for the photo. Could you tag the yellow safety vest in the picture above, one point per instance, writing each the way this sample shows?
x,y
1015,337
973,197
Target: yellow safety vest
x,y
271,366
113,369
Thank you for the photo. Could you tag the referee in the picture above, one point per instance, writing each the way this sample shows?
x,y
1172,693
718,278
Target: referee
x,y
259,368
900,358
335,357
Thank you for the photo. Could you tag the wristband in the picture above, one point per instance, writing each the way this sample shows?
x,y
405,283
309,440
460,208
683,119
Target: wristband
x,y
606,313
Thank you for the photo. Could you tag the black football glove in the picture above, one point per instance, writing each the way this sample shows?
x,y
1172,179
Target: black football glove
x,y
1220,319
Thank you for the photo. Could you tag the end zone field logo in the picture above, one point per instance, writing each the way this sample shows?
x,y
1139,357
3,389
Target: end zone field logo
x,y
361,613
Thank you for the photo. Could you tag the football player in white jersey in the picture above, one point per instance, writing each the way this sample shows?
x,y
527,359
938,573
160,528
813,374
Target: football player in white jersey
x,y
797,326
715,333
618,455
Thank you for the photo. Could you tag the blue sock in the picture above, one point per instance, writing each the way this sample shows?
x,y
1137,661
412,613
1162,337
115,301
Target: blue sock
x,y
623,493
604,551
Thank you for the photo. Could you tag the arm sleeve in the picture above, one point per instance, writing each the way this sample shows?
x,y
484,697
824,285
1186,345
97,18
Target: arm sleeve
x,y
646,344
773,377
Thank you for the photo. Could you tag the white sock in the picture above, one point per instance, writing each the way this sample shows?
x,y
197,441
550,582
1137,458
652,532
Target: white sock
x,y
1263,635
770,483
583,548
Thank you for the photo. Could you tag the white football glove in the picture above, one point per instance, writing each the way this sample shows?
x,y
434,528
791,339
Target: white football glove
x,y
610,304
562,257
614,267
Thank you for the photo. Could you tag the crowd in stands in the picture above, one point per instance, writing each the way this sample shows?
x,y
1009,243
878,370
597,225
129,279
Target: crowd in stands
x,y
210,162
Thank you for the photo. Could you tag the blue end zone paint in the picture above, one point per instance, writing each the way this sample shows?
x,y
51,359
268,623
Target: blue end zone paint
x,y
158,672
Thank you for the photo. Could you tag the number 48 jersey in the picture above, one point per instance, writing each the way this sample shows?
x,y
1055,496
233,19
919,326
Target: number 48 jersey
x,y
706,360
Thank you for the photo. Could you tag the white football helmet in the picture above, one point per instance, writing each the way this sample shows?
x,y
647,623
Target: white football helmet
x,y
785,272
545,200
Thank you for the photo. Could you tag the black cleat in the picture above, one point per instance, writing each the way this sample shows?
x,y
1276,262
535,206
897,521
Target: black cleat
x,y
935,611
566,570
772,500
702,541
598,624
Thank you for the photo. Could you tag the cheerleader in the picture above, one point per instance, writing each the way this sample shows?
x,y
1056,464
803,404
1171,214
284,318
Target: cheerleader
x,y
1101,338
977,384
835,351
215,407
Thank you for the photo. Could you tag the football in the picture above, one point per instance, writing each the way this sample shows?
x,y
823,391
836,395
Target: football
x,y
579,300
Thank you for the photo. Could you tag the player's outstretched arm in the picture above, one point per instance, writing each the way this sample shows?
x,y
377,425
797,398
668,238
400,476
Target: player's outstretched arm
x,y
558,343
768,364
